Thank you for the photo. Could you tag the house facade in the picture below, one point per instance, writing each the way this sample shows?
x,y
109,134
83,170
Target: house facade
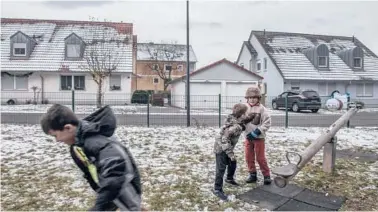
x,y
52,57
156,62
207,83
306,61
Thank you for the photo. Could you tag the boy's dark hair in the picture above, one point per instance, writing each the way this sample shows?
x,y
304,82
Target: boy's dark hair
x,y
56,117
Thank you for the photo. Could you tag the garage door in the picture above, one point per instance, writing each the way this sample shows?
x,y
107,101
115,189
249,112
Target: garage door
x,y
235,92
204,95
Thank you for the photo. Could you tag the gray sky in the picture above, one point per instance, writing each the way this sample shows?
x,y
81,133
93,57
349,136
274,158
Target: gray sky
x,y
218,28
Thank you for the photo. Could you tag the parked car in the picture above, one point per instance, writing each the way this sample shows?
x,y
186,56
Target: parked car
x,y
298,100
140,96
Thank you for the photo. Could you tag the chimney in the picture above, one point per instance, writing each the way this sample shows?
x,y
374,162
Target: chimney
x,y
353,39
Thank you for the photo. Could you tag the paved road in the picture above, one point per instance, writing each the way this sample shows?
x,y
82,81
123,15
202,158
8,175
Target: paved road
x,y
311,120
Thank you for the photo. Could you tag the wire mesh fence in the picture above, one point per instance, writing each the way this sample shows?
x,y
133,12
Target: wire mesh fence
x,y
155,110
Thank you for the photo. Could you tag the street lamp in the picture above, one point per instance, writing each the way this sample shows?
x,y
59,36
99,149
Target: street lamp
x,y
187,67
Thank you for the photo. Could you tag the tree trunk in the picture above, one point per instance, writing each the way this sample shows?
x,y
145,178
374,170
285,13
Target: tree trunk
x,y
99,94
165,86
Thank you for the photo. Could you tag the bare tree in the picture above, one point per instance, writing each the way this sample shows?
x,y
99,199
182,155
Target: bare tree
x,y
164,59
102,54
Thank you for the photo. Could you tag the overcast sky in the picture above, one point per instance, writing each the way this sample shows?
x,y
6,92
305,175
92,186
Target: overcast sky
x,y
218,28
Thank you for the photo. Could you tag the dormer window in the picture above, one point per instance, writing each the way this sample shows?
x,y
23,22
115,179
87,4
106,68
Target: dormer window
x,y
318,56
21,46
322,61
353,57
74,48
357,62
19,49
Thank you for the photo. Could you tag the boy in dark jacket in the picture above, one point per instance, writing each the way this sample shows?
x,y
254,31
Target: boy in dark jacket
x,y
107,165
224,146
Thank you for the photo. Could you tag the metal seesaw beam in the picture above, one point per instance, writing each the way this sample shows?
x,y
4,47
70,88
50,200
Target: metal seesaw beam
x,y
289,171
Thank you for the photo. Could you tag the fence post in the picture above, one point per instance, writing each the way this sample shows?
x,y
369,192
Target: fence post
x,y
220,109
348,105
73,100
286,112
329,155
148,110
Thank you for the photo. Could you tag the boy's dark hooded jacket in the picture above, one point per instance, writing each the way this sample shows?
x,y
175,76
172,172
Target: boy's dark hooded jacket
x,y
118,176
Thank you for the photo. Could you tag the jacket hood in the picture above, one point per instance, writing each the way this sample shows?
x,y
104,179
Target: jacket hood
x,y
101,122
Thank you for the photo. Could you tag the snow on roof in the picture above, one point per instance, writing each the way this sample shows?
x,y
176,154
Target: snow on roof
x,y
286,51
49,53
146,51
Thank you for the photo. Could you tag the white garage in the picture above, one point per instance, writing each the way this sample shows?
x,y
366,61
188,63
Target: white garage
x,y
222,77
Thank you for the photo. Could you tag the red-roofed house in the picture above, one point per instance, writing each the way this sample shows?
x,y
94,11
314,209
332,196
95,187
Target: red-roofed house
x,y
49,54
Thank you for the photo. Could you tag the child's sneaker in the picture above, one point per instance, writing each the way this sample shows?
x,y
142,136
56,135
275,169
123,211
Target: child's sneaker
x,y
252,178
232,182
220,194
267,180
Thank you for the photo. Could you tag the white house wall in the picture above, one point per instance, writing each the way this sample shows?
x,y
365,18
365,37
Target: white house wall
x,y
54,94
22,96
369,101
244,58
272,76
341,86
178,94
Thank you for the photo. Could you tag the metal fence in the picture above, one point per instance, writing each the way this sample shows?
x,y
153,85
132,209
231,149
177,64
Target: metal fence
x,y
24,108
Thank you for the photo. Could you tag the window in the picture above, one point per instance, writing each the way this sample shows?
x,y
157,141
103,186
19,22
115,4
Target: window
x,y
295,86
14,82
65,82
251,65
364,89
357,62
73,50
156,80
115,82
322,61
155,67
167,68
258,66
19,49
180,68
265,64
79,82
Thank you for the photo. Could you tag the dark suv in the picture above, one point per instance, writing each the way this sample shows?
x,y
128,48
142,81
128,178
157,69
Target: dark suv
x,y
298,100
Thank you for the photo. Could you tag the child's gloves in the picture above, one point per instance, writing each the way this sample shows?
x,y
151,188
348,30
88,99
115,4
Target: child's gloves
x,y
253,135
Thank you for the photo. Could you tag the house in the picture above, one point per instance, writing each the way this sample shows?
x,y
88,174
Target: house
x,y
306,61
156,62
222,77
51,56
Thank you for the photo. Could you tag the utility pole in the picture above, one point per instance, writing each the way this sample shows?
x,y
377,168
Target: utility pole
x,y
187,67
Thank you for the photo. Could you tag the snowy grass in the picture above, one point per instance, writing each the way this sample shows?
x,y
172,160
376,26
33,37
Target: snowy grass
x,y
177,167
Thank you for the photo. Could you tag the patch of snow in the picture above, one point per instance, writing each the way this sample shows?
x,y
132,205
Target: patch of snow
x,y
166,156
